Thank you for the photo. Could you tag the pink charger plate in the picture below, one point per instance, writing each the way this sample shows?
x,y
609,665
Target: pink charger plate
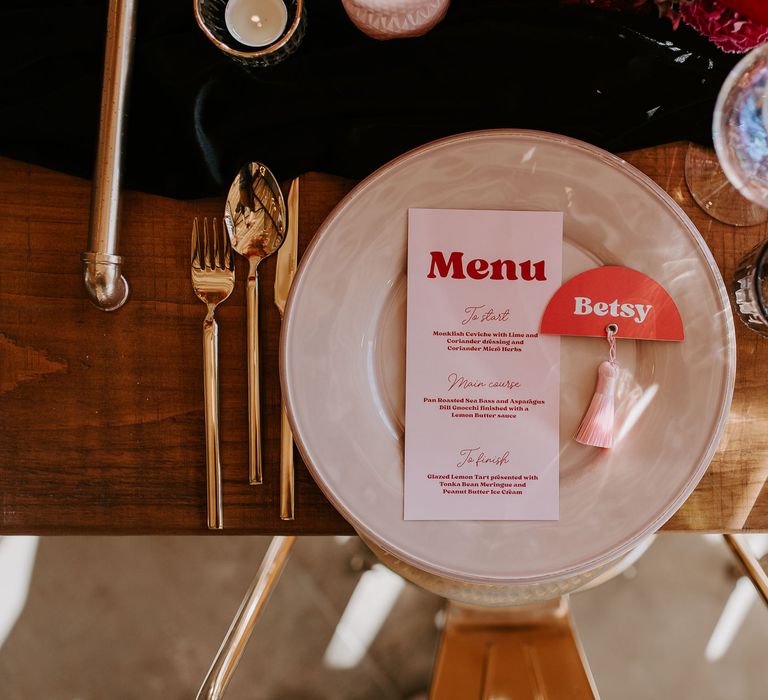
x,y
343,356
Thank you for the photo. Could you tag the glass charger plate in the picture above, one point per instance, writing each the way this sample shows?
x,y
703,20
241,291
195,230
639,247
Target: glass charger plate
x,y
343,355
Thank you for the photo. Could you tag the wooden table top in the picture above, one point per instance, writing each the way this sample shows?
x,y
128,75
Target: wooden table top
x,y
102,413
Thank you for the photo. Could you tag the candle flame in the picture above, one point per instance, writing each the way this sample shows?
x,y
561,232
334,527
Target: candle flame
x,y
257,20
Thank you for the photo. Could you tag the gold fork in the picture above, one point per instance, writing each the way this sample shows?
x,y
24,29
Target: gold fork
x,y
213,278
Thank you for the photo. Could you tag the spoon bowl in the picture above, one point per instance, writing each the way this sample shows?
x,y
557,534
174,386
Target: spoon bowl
x,y
255,214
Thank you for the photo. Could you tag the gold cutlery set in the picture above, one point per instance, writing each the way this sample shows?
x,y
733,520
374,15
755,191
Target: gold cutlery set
x,y
256,225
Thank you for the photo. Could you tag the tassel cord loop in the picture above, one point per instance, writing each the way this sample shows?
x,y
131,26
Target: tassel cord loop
x,y
611,329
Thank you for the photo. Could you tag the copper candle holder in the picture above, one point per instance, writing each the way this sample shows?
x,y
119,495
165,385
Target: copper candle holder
x,y
210,16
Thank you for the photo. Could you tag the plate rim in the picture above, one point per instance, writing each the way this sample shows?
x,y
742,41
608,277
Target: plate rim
x,y
643,180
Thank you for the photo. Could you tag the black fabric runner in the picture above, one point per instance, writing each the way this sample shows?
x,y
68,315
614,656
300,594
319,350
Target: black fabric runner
x,y
345,103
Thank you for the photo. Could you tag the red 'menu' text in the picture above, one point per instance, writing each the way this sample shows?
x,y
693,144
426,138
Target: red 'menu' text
x,y
478,269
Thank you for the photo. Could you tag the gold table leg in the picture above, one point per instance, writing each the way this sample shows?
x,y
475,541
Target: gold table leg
x,y
240,630
751,564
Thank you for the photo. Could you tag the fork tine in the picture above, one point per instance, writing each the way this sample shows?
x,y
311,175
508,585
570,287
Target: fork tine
x,y
195,242
199,260
229,262
202,244
206,253
219,246
215,244
222,246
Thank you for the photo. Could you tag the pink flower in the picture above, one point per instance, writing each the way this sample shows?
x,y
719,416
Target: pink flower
x,y
756,10
728,30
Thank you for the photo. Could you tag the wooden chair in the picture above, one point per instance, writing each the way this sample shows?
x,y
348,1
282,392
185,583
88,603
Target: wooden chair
x,y
526,652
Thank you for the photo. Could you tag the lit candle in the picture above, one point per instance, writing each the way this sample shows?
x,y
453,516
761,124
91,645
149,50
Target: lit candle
x,y
256,22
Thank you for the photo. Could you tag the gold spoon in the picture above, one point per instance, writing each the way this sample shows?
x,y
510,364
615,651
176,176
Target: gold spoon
x,y
255,217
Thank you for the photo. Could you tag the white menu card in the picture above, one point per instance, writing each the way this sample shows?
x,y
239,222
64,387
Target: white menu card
x,y
482,386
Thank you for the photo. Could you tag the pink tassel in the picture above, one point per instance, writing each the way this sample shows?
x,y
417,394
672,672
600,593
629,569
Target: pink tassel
x,y
596,427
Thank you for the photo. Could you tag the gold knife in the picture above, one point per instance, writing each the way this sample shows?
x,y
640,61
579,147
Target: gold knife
x,y
286,269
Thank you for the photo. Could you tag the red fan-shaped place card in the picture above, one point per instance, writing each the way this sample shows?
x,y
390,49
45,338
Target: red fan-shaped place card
x,y
587,303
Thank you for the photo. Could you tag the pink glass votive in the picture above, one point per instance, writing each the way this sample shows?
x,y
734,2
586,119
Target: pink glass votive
x,y
395,19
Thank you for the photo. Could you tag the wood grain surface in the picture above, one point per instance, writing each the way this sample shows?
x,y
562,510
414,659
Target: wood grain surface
x,y
101,429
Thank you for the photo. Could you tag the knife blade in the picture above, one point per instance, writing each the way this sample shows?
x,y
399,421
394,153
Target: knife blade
x,y
287,255
286,269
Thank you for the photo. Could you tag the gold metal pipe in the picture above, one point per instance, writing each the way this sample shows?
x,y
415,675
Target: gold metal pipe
x,y
751,564
240,630
102,266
